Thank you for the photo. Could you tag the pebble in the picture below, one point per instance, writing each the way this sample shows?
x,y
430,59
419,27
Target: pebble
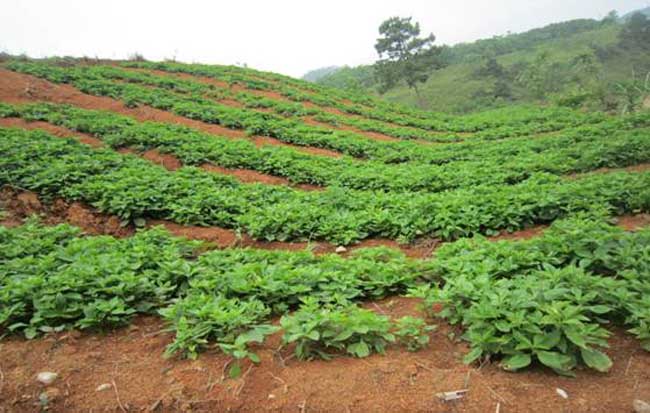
x,y
46,377
641,407
341,249
562,393
104,387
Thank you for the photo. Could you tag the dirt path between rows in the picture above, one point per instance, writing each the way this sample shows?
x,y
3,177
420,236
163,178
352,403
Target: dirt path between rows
x,y
19,204
124,371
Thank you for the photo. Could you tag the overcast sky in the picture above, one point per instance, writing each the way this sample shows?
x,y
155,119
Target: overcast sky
x,y
286,36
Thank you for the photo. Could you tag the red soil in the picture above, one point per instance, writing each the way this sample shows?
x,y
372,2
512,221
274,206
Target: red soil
x,y
644,167
21,204
633,222
231,102
372,135
22,88
247,175
52,129
520,235
163,159
140,379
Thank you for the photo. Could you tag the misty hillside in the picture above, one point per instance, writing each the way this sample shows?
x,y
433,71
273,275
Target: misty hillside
x,y
645,11
317,74
579,63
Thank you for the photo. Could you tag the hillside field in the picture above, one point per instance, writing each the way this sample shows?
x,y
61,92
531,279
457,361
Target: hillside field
x,y
199,238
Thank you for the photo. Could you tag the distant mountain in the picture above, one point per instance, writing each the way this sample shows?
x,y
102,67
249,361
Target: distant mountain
x,y
317,74
645,11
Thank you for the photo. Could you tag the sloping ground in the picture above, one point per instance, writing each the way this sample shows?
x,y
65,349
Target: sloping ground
x,y
20,88
131,360
578,166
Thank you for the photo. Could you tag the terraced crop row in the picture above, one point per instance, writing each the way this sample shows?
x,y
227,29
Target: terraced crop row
x,y
497,123
133,189
279,107
286,130
486,166
590,274
534,121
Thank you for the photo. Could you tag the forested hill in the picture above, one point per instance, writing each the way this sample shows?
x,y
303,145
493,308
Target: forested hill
x,y
594,64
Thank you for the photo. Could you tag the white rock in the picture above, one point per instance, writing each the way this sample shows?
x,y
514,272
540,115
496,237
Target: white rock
x,y
562,393
452,395
104,387
641,407
46,377
341,249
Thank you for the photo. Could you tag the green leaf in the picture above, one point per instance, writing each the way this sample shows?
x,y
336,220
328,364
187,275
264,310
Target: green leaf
x,y
596,359
516,362
575,337
234,371
254,357
599,309
645,344
554,360
473,355
359,349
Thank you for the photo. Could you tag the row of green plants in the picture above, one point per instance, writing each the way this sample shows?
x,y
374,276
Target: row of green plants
x,y
299,91
496,123
283,108
544,300
487,167
135,189
53,279
197,107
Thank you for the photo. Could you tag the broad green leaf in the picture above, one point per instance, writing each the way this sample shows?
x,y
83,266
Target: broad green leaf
x,y
556,361
596,359
359,349
234,371
473,355
516,362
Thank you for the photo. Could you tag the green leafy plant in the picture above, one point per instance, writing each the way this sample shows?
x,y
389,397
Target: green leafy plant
x,y
239,349
316,330
412,332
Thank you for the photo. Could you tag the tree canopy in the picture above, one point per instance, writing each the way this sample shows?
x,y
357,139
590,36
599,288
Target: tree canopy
x,y
404,55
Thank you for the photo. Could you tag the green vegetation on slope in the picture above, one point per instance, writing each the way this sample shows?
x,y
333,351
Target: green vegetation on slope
x,y
580,63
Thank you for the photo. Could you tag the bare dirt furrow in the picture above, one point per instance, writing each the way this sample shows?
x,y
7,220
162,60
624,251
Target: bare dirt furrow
x,y
131,361
20,204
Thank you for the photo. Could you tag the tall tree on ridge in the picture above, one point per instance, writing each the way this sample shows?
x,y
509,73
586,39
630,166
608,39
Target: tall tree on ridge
x,y
404,55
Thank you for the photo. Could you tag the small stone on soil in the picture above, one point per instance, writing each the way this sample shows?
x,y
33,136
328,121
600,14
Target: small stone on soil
x,y
46,377
641,407
341,249
103,387
563,394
